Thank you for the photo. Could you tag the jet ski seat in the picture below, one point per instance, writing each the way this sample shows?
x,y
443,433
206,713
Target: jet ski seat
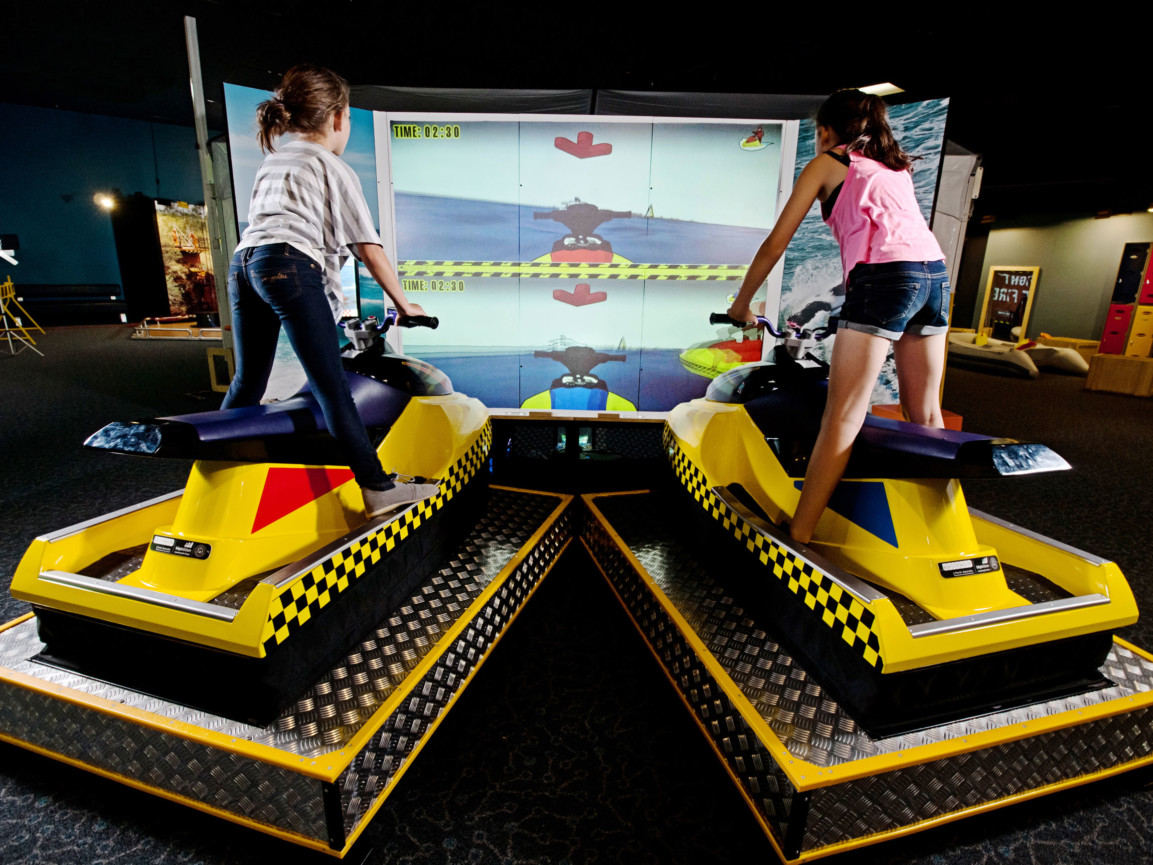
x,y
790,419
291,430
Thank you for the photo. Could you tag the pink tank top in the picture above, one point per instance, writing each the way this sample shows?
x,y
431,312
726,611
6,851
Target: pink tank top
x,y
876,217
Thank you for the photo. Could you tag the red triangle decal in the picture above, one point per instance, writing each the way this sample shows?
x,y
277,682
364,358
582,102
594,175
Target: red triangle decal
x,y
286,489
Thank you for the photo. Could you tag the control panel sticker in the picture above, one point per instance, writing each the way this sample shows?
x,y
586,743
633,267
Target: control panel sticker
x,y
970,567
180,547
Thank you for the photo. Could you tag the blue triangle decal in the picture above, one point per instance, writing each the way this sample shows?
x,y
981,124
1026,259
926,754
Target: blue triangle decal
x,y
864,504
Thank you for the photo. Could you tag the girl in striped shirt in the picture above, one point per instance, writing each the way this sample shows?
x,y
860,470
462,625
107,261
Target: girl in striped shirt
x,y
308,214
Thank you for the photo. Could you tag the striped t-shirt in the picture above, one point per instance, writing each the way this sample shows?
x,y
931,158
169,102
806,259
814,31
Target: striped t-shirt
x,y
307,196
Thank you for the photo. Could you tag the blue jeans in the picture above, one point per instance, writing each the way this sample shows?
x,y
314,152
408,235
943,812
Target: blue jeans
x,y
892,298
274,286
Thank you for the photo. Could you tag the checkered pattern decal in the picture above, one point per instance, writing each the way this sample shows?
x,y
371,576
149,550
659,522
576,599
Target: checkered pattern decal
x,y
304,598
840,610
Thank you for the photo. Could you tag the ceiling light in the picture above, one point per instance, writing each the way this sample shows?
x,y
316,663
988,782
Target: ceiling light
x,y
886,89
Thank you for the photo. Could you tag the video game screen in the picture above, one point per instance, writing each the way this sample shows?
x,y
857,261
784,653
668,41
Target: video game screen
x,y
573,262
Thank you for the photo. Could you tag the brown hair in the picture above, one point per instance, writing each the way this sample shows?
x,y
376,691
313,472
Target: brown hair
x,y
307,95
861,122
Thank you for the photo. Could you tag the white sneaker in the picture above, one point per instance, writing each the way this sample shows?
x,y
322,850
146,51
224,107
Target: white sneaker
x,y
377,503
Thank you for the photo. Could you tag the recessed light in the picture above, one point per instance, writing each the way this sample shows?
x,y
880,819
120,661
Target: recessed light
x,y
886,89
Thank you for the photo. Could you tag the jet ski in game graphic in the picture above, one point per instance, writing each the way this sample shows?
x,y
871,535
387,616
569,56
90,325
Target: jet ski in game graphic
x,y
579,388
754,140
582,244
711,358
743,345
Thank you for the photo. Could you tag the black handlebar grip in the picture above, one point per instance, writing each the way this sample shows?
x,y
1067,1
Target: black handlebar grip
x,y
723,318
429,321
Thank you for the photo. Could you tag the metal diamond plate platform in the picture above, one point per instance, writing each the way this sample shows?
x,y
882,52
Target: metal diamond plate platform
x,y
815,780
813,777
313,775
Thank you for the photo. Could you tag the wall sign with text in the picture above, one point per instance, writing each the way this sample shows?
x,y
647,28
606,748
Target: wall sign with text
x,y
1008,301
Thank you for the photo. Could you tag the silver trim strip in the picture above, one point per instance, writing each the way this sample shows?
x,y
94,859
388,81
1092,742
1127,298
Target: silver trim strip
x,y
57,535
1005,524
852,585
134,593
1013,614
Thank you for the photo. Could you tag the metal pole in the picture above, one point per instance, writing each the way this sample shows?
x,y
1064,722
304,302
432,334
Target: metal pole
x,y
215,234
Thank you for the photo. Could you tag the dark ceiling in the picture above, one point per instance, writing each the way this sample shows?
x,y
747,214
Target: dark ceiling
x,y
1053,106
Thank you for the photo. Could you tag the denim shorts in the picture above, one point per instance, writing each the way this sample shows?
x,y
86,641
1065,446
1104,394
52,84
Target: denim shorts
x,y
893,298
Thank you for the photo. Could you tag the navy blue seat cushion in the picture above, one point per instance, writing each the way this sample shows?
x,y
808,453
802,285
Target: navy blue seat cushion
x,y
378,406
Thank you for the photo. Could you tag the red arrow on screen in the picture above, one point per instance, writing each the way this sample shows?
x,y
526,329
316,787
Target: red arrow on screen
x,y
581,296
583,147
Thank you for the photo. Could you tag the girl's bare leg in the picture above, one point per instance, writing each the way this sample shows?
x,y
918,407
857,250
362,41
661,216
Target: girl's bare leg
x,y
920,365
857,361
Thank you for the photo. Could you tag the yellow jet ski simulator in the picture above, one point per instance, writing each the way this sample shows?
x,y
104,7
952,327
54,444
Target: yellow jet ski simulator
x,y
915,608
919,662
235,593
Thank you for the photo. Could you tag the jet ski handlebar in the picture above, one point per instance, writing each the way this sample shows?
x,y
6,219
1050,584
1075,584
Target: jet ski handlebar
x,y
792,331
394,317
364,332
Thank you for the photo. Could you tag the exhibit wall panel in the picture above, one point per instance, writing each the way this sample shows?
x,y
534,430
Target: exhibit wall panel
x,y
56,163
954,205
1078,260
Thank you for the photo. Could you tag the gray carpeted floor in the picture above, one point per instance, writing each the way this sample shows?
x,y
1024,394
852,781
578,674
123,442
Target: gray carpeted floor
x,y
570,746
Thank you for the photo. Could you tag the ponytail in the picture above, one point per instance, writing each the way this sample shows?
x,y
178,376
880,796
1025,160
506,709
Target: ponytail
x,y
303,102
861,122
271,122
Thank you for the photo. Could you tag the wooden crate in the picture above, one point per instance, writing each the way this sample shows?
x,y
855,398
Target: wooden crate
x,y
1117,373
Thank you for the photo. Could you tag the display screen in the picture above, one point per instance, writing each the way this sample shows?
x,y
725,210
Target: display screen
x,y
544,244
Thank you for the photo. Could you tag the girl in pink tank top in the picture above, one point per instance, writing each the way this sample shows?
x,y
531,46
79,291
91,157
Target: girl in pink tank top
x,y
896,286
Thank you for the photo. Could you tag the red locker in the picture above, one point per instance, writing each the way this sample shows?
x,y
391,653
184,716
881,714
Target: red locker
x,y
1116,333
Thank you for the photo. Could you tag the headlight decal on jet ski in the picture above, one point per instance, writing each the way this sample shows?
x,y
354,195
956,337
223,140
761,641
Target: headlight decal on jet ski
x,y
303,598
848,616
